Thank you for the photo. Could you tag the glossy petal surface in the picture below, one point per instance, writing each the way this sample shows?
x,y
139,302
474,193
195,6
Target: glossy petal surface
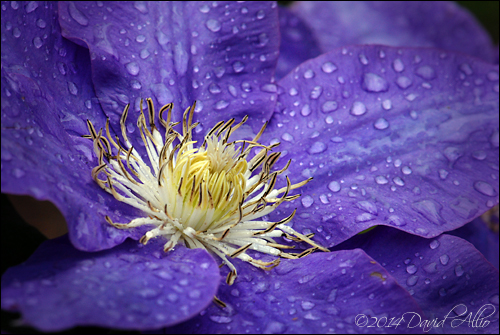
x,y
322,293
440,24
445,275
128,287
221,55
400,137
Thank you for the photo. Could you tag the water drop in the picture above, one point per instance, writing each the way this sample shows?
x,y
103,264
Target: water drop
x,y
412,280
479,155
459,270
328,67
37,42
16,32
484,188
72,88
442,292
426,72
364,217
430,209
31,6
306,110
465,68
287,137
133,68
214,88
221,104
334,186
403,82
411,269
309,74
398,181
358,108
387,104
381,180
213,25
398,65
406,170
316,92
443,174
444,259
434,244
307,305
317,147
307,201
381,124
238,66
41,23
204,9
363,59
140,38
78,16
329,106
220,319
374,83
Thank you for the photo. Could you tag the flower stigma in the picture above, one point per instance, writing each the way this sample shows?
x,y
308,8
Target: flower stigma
x,y
209,197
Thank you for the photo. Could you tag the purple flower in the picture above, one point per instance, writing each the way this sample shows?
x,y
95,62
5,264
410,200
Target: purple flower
x,y
401,137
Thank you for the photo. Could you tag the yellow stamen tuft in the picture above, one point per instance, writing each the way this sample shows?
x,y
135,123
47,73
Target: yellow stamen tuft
x,y
208,197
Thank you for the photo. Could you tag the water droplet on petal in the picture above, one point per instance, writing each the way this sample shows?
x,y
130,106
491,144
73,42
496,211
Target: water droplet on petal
x,y
484,188
465,68
444,259
287,137
78,16
358,108
374,83
307,201
213,25
426,72
317,147
479,155
133,68
31,6
41,23
220,319
306,110
238,66
140,38
430,209
459,270
204,9
434,244
72,88
37,42
381,124
328,67
398,65
442,292
403,82
387,104
316,92
307,305
411,269
381,180
221,104
309,74
334,186
412,280
406,170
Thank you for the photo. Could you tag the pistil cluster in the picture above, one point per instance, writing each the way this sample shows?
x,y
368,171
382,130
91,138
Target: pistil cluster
x,y
211,197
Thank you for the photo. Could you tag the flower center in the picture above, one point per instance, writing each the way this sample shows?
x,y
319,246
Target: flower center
x,y
208,197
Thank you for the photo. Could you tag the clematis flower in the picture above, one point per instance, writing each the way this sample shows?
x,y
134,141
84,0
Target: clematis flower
x,y
401,137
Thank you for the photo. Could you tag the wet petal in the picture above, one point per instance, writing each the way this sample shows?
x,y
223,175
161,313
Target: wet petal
x,y
400,137
443,25
297,43
322,293
47,95
223,56
128,287
445,275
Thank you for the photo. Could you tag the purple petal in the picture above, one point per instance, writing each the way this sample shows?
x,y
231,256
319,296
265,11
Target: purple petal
x,y
440,24
445,275
321,293
128,287
46,97
223,56
297,43
400,137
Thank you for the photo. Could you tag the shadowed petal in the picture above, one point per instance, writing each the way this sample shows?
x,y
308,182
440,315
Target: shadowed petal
x,y
438,24
445,275
222,55
128,287
297,43
322,293
399,137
